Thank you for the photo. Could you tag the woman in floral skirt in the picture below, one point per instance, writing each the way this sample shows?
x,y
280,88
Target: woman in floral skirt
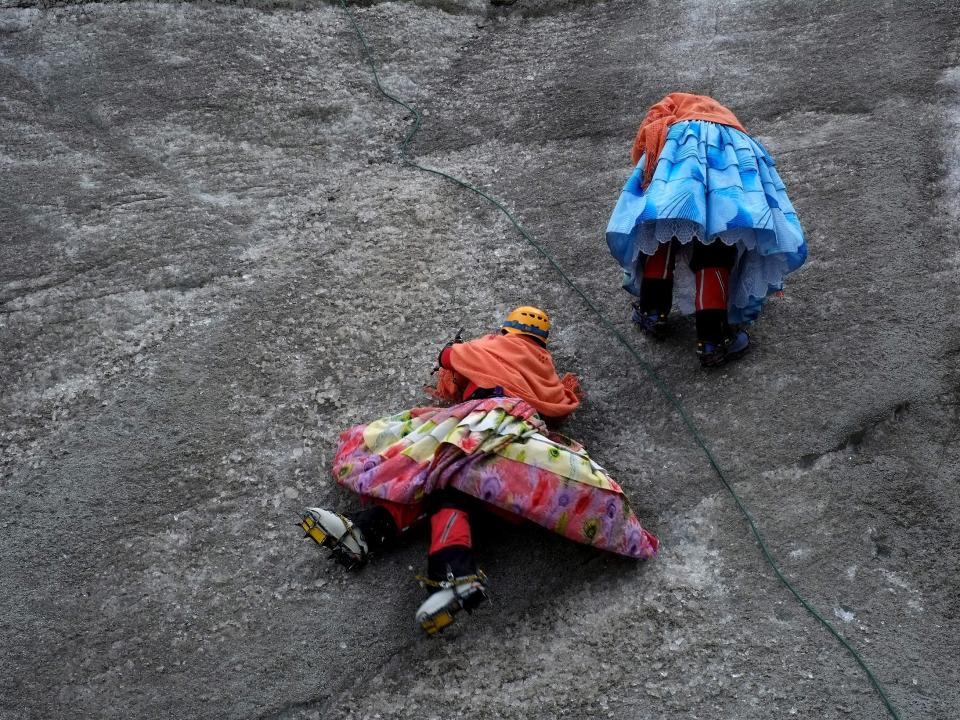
x,y
492,445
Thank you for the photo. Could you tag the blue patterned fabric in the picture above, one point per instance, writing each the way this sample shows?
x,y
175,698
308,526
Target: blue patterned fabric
x,y
712,182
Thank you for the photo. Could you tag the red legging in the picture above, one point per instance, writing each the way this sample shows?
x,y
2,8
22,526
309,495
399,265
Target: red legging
x,y
451,542
712,288
711,265
659,266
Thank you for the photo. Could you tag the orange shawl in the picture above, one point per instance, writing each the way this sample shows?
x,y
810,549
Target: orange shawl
x,y
520,366
674,108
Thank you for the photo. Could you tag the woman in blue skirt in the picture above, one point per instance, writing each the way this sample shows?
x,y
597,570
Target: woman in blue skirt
x,y
706,192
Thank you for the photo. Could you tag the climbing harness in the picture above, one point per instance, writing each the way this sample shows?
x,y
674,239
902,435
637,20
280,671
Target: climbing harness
x,y
651,373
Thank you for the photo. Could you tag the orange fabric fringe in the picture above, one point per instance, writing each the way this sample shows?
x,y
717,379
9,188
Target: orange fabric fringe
x,y
572,383
447,389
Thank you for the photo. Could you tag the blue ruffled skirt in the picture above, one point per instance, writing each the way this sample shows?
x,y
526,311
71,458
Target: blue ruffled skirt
x,y
712,183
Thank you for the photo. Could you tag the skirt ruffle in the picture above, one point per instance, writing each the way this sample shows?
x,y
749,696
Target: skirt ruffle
x,y
499,451
712,183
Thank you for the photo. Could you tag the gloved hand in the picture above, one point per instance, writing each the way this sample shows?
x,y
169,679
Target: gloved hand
x,y
458,338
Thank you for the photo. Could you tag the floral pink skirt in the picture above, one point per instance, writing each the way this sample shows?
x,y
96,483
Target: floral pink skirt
x,y
499,451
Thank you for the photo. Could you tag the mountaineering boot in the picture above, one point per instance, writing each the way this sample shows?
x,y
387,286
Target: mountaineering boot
x,y
652,322
454,594
717,354
379,525
656,294
338,533
452,573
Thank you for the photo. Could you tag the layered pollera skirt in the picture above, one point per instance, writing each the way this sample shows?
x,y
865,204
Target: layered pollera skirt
x,y
712,183
499,451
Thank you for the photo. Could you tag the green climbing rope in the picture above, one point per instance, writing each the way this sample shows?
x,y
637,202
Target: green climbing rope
x,y
661,385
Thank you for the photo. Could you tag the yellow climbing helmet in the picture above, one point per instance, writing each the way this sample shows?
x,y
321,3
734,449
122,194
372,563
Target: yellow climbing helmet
x,y
527,320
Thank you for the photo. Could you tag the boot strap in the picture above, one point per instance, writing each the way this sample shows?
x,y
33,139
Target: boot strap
x,y
451,581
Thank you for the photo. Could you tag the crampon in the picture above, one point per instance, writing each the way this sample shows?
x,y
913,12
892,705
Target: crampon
x,y
652,322
454,594
338,534
717,354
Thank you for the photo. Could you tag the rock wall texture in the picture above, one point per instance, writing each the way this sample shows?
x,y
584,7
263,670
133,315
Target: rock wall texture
x,y
211,262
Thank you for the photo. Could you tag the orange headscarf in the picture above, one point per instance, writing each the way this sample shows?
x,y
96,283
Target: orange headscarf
x,y
520,366
674,108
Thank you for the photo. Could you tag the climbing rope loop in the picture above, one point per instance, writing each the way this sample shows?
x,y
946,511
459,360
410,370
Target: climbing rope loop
x,y
652,374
